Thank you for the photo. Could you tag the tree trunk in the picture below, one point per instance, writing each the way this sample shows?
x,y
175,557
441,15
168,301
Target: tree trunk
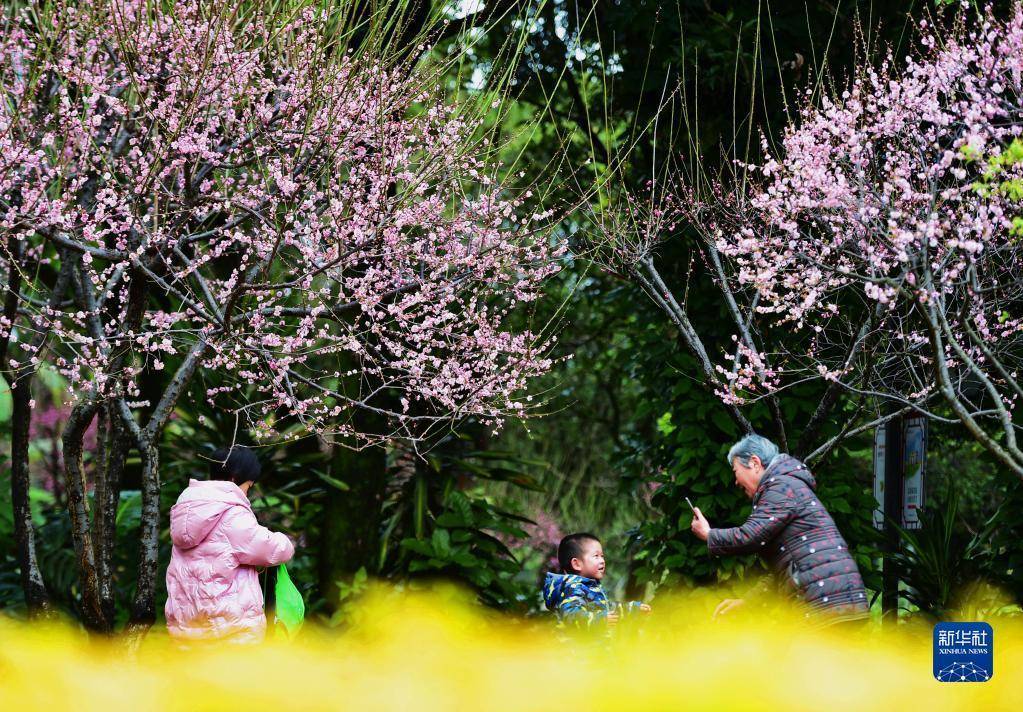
x,y
93,614
36,597
110,467
143,609
20,381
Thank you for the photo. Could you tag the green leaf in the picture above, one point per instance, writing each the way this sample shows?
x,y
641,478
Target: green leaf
x,y
723,422
6,401
441,542
700,486
506,455
461,536
6,510
460,503
38,499
129,508
664,425
332,481
467,560
417,546
839,505
676,561
418,565
684,456
451,520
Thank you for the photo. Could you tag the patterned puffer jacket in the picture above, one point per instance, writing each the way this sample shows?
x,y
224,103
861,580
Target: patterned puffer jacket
x,y
794,533
579,600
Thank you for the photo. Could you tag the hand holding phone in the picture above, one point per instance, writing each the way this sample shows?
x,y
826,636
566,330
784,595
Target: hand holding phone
x,y
699,525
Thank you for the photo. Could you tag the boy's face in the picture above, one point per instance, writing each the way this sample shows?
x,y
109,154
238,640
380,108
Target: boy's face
x,y
590,562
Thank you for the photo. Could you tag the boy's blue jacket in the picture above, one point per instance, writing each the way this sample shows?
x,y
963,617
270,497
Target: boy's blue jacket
x,y
576,599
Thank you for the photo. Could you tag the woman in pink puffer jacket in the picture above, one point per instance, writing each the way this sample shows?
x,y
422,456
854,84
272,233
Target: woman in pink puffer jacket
x,y
213,589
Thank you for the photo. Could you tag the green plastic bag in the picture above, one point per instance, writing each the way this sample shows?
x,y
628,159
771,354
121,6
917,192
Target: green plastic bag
x,y
290,608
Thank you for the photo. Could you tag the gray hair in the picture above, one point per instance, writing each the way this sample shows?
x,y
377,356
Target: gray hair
x,y
753,445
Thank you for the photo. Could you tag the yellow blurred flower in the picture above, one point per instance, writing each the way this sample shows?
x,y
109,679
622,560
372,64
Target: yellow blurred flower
x,y
440,652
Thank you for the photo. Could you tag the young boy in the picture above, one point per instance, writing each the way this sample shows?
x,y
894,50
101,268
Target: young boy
x,y
576,595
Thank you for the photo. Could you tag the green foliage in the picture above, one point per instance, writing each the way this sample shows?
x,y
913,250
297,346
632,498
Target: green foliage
x,y
348,593
943,564
998,176
6,509
56,555
693,460
1004,561
462,545
664,425
446,527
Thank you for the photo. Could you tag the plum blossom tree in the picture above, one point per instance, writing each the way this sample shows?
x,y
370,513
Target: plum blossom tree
x,y
186,191
878,247
885,234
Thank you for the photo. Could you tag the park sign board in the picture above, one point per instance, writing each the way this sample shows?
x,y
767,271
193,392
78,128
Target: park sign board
x,y
914,463
879,453
914,457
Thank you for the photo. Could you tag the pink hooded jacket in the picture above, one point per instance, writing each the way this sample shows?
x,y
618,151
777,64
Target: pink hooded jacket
x,y
213,586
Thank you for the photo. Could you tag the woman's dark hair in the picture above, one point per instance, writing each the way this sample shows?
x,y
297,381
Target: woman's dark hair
x,y
572,547
237,464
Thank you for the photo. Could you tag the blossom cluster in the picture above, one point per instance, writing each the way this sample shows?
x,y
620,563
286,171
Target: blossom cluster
x,y
323,232
883,232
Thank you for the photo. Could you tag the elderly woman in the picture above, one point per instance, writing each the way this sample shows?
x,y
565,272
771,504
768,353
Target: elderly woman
x,y
791,529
